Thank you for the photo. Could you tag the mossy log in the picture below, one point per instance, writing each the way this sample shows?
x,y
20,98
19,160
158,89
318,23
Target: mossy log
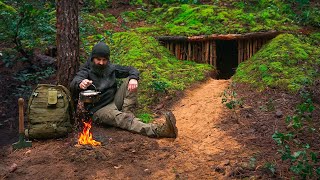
x,y
269,34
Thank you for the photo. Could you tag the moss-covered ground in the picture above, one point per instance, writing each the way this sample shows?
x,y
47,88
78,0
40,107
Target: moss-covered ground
x,y
218,17
288,62
212,19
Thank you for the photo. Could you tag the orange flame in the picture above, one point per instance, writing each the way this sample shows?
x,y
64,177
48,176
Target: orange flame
x,y
85,137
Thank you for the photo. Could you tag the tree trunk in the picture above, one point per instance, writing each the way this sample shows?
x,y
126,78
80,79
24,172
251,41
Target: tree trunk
x,y
67,40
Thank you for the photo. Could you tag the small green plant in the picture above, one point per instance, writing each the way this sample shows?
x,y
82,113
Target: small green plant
x,y
302,116
270,167
157,84
303,161
145,117
229,98
269,106
252,162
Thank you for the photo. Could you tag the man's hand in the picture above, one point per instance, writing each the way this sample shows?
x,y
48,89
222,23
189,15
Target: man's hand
x,y
85,84
132,85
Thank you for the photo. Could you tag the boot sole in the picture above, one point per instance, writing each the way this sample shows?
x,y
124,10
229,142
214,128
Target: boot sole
x,y
171,119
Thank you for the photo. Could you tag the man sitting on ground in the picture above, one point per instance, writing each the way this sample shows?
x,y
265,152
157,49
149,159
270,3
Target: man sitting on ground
x,y
115,105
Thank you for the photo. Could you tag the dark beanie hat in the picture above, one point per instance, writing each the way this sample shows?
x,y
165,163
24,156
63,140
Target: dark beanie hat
x,y
100,50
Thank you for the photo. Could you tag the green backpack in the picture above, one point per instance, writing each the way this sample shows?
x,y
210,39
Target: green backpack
x,y
49,112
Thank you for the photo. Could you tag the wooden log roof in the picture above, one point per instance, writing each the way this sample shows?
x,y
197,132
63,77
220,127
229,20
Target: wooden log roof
x,y
219,36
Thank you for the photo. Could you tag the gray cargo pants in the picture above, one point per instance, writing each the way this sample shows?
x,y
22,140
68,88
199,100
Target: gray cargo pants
x,y
114,114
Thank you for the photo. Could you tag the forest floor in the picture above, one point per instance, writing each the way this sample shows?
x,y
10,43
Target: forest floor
x,y
213,143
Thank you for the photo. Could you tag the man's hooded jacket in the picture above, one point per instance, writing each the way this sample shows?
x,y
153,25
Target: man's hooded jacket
x,y
105,82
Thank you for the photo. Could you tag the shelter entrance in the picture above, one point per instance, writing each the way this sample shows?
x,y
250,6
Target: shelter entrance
x,y
224,52
227,58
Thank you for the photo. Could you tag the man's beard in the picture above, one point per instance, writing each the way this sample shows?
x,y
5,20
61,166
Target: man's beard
x,y
99,69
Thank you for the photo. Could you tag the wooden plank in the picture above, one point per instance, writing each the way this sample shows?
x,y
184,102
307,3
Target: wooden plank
x,y
194,52
171,47
211,51
238,52
214,55
245,50
183,50
250,48
203,55
189,51
202,52
197,53
207,52
178,50
198,59
254,46
241,51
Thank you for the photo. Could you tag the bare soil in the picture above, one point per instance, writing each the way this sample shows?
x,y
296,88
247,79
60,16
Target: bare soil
x,y
212,144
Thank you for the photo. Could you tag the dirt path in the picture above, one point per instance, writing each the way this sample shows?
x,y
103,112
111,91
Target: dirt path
x,y
200,147
199,140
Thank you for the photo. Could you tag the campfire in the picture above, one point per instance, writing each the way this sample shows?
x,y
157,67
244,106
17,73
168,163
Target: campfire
x,y
85,137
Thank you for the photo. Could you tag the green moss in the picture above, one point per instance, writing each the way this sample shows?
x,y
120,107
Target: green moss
x,y
210,19
222,17
156,31
315,38
287,62
110,18
161,73
132,16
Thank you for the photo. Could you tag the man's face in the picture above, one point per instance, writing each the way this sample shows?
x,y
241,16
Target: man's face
x,y
99,65
100,61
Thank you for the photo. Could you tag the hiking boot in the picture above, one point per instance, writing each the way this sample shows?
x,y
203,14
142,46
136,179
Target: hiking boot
x,y
169,129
